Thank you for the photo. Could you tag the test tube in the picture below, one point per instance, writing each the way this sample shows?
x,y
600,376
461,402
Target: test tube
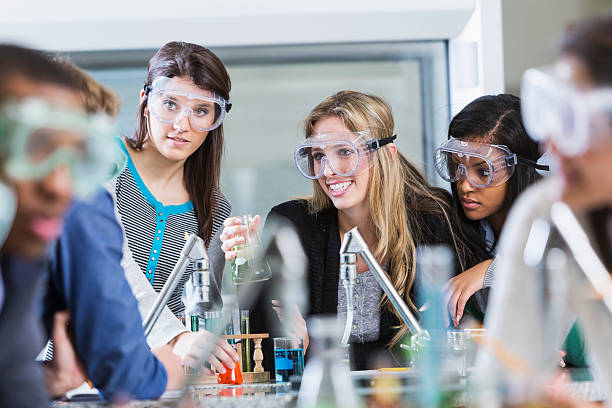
x,y
246,343
181,317
195,322
211,321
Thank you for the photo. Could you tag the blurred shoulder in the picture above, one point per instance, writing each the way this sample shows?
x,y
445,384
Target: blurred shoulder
x,y
536,200
99,203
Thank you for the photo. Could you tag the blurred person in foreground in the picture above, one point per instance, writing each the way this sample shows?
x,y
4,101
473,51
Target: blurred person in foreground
x,y
44,134
569,107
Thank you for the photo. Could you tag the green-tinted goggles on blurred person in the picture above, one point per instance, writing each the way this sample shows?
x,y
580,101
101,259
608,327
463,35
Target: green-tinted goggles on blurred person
x,y
36,138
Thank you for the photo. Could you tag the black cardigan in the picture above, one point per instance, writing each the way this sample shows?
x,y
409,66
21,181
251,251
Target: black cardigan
x,y
320,238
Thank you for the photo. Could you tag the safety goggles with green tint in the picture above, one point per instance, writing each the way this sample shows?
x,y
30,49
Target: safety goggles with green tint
x,y
37,138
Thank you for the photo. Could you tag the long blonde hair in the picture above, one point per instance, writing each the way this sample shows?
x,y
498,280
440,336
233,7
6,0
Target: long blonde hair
x,y
397,228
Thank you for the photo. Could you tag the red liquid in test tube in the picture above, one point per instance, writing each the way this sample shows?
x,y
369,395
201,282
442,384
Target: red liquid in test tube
x,y
231,376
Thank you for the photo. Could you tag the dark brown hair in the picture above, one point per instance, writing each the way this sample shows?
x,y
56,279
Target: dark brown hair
x,y
203,167
591,42
96,97
494,119
32,65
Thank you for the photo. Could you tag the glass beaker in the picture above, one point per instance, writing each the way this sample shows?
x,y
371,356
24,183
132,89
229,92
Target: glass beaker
x,y
327,380
247,266
288,358
457,345
212,321
231,375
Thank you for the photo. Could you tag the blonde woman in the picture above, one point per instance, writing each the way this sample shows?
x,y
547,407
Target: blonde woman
x,y
359,180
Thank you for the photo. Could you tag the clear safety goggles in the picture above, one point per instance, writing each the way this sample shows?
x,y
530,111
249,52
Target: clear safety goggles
x,y
482,164
346,153
168,103
552,108
37,138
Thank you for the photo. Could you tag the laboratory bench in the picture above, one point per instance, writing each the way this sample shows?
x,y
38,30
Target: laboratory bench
x,y
376,388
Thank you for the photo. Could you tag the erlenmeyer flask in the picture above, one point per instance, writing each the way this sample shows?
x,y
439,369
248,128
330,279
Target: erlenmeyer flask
x,y
327,379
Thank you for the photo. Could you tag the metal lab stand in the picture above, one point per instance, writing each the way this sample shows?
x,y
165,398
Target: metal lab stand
x,y
353,245
193,250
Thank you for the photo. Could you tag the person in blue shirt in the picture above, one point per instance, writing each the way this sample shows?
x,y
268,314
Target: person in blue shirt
x,y
36,185
87,279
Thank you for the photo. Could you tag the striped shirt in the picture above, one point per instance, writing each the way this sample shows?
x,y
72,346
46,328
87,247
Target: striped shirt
x,y
156,235
156,232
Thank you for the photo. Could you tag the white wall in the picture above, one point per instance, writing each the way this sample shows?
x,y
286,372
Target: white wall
x,y
532,30
476,61
70,25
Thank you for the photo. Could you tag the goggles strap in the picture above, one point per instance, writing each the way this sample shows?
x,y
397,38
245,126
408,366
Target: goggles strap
x,y
376,144
531,163
228,106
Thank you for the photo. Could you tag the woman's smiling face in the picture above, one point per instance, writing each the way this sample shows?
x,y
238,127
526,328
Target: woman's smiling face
x,y
346,192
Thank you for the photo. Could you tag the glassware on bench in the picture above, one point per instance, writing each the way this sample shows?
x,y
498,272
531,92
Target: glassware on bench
x,y
212,321
231,376
288,358
247,266
195,295
245,328
327,379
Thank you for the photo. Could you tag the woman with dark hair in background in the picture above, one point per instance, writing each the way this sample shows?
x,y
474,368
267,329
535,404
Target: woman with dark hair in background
x,y
489,160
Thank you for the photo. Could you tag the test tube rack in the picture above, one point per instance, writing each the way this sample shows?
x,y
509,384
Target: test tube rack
x,y
258,375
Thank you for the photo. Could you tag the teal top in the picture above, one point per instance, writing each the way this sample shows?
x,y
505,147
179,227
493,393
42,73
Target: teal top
x,y
575,348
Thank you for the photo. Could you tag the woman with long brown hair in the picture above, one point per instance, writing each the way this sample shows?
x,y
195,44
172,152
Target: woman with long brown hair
x,y
382,194
170,185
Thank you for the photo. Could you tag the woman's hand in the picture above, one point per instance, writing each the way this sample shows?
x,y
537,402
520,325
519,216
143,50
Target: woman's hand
x,y
459,289
190,347
235,234
65,372
172,363
299,328
556,394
